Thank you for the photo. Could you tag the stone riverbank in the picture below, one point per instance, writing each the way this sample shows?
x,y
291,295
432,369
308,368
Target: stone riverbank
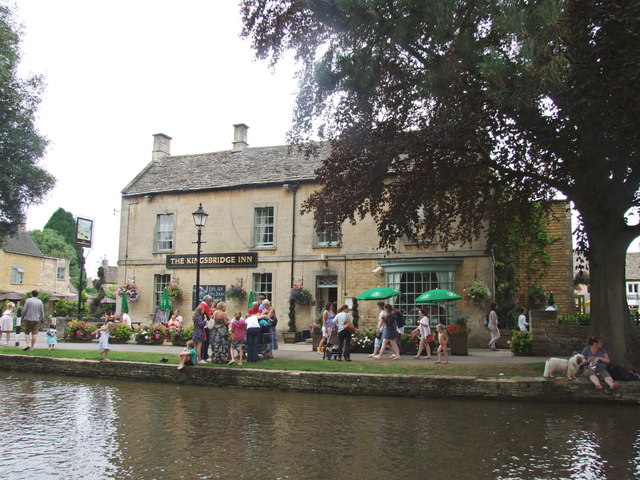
x,y
511,388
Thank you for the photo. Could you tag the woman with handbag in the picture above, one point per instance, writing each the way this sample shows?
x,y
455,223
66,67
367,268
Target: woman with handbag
x,y
345,329
380,329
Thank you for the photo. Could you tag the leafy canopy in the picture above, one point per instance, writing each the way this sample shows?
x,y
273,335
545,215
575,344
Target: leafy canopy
x,y
22,181
461,102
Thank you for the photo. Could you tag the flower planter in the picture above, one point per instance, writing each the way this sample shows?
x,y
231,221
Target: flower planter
x,y
180,342
86,338
459,344
292,337
316,338
118,340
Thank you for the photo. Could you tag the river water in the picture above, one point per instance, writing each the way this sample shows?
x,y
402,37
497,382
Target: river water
x,y
54,427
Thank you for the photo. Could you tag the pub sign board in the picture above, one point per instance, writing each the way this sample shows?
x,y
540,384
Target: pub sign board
x,y
213,260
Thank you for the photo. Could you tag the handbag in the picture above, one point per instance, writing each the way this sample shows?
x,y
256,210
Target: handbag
x,y
349,327
379,334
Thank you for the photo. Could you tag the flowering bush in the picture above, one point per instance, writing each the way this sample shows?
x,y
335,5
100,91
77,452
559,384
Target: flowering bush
x,y
475,294
79,330
300,295
154,334
362,340
236,292
315,327
180,335
121,333
130,290
174,290
458,329
520,342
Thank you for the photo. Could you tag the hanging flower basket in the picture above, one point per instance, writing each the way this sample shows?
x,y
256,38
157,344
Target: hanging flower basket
x,y
300,295
476,294
236,292
174,290
130,290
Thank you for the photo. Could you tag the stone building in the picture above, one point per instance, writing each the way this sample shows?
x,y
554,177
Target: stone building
x,y
256,237
24,268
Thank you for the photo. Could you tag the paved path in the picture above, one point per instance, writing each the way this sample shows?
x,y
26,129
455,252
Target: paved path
x,y
296,351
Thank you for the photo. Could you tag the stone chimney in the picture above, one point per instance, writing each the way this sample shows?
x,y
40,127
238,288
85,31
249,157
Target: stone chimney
x,y
161,146
240,137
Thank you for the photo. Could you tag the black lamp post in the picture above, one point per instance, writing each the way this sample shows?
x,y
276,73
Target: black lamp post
x,y
199,218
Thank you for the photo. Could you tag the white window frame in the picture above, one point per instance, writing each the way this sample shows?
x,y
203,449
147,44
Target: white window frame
x,y
17,275
60,273
164,241
263,285
160,281
331,235
263,228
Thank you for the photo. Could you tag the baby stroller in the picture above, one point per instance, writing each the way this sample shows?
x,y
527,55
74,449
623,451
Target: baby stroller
x,y
331,347
265,341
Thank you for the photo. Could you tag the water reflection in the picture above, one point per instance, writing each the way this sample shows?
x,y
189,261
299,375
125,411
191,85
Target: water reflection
x,y
69,428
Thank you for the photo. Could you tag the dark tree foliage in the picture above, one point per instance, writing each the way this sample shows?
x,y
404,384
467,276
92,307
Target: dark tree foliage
x,y
52,243
437,111
64,223
22,182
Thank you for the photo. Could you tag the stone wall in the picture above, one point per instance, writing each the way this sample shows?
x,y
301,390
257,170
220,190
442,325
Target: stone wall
x,y
549,338
537,389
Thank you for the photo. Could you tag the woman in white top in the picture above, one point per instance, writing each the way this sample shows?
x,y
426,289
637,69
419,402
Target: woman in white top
x,y
424,329
6,322
493,326
522,321
380,330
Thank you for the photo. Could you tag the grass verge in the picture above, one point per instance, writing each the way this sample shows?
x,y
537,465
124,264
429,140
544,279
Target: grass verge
x,y
484,370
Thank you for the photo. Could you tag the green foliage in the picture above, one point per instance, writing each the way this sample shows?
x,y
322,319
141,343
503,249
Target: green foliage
x,y
52,243
42,295
292,314
69,308
64,223
355,313
155,334
122,332
520,342
181,334
22,181
578,319
468,105
79,330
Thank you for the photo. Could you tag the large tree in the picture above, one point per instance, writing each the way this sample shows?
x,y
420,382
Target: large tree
x,y
52,243
462,103
64,223
22,181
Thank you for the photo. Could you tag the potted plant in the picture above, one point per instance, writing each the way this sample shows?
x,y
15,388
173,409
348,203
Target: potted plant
x,y
362,341
476,294
155,334
291,335
520,343
300,295
236,292
130,290
459,335
79,331
174,290
120,334
181,335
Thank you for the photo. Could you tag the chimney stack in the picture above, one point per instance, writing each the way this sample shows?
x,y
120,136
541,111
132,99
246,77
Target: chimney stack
x,y
161,146
240,137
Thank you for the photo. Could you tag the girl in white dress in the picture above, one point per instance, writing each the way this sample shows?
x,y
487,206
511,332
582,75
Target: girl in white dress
x,y
424,330
6,322
103,342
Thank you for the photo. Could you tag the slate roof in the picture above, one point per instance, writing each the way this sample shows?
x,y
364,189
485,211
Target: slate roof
x,y
227,169
21,243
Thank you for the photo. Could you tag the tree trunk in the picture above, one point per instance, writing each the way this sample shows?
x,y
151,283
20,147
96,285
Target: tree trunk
x,y
609,310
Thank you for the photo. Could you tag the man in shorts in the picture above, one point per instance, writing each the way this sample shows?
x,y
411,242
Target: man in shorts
x,y
32,315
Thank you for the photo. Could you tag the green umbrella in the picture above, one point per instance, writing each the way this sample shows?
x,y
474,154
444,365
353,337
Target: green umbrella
x,y
378,293
124,306
438,295
250,300
165,302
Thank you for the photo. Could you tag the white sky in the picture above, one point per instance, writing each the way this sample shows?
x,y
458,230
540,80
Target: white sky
x,y
119,71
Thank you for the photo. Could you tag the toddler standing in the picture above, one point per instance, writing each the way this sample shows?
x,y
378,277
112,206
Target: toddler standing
x,y
103,343
52,336
443,340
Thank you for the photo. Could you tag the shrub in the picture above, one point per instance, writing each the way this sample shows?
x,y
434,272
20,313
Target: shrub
x,y
122,332
181,334
155,334
520,342
79,330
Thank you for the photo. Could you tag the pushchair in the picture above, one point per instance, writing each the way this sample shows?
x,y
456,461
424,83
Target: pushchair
x,y
331,347
265,341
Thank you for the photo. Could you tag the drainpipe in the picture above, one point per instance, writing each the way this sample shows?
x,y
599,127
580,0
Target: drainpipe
x,y
292,187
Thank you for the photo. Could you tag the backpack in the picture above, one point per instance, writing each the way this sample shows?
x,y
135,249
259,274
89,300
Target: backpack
x,y
486,320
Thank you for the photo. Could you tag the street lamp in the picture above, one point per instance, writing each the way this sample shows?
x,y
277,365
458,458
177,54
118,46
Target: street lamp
x,y
199,218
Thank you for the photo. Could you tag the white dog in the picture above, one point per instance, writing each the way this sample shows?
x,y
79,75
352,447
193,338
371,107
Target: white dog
x,y
563,366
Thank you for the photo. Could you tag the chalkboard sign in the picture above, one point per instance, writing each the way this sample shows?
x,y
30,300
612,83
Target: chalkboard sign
x,y
217,292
